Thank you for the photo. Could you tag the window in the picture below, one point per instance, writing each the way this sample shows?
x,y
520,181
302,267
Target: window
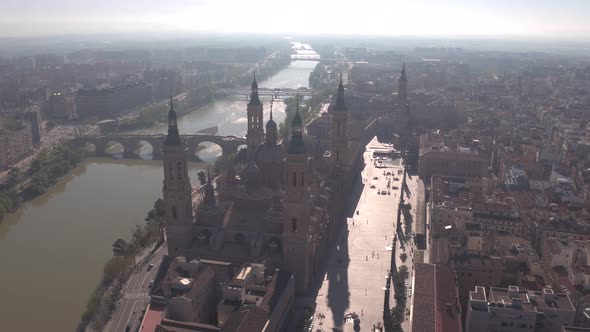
x,y
171,169
174,212
294,179
294,225
302,179
179,175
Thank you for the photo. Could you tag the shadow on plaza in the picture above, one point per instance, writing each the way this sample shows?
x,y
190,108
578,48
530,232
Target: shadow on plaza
x,y
337,263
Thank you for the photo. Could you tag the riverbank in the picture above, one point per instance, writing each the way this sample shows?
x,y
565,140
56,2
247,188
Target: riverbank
x,y
45,171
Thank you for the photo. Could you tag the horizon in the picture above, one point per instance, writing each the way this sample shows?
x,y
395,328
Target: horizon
x,y
456,19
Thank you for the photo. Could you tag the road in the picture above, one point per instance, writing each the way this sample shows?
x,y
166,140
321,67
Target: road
x,y
358,268
135,294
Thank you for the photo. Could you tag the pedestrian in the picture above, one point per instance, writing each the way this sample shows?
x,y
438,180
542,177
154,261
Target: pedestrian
x,y
367,221
377,256
362,313
367,258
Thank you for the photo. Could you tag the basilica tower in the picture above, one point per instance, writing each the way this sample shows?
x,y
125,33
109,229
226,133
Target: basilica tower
x,y
402,91
296,222
177,190
339,140
255,133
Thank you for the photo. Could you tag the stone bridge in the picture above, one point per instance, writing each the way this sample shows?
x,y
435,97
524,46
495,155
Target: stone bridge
x,y
132,144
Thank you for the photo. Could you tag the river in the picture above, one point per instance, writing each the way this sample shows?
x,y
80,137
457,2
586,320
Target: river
x,y
53,248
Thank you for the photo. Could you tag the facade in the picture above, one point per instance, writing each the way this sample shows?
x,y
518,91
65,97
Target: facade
x,y
61,106
108,102
513,310
16,141
443,156
281,210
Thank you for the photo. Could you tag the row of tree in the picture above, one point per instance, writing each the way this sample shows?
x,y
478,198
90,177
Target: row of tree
x,y
49,167
398,313
45,171
10,200
103,301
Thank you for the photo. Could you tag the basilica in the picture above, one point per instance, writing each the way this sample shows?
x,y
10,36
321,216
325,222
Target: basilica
x,y
281,208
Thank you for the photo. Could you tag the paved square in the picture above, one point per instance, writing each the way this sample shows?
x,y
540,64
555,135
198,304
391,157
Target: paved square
x,y
358,268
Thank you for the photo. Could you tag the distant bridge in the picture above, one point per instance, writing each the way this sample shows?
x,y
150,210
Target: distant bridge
x,y
133,143
265,92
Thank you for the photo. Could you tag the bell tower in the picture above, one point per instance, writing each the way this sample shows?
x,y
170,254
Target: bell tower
x,y
177,190
296,217
402,91
339,131
255,132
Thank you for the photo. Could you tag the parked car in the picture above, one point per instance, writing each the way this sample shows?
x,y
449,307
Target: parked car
x,y
151,284
150,267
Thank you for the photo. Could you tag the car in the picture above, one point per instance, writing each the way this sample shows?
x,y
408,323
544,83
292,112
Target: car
x,y
373,186
150,267
395,188
383,192
375,178
151,284
395,179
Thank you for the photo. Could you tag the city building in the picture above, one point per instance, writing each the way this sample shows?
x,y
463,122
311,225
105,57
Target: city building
x,y
512,310
107,101
203,295
435,301
61,106
16,140
439,157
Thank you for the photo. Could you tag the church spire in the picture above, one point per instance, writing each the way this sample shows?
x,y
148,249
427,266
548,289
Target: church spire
x,y
173,137
254,99
296,145
340,106
402,91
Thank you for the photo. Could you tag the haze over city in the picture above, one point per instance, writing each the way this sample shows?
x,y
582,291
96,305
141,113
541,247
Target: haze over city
x,y
295,166
561,20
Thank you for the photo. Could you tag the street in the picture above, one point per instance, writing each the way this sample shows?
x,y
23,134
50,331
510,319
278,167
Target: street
x,y
135,294
357,270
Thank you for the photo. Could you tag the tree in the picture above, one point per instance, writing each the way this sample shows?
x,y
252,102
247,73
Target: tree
x,y
403,257
403,272
14,177
116,269
321,317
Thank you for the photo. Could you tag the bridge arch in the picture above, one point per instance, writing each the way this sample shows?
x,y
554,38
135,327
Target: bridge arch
x,y
206,151
113,148
140,148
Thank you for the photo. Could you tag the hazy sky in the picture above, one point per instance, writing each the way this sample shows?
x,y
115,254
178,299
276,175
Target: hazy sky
x,y
519,18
